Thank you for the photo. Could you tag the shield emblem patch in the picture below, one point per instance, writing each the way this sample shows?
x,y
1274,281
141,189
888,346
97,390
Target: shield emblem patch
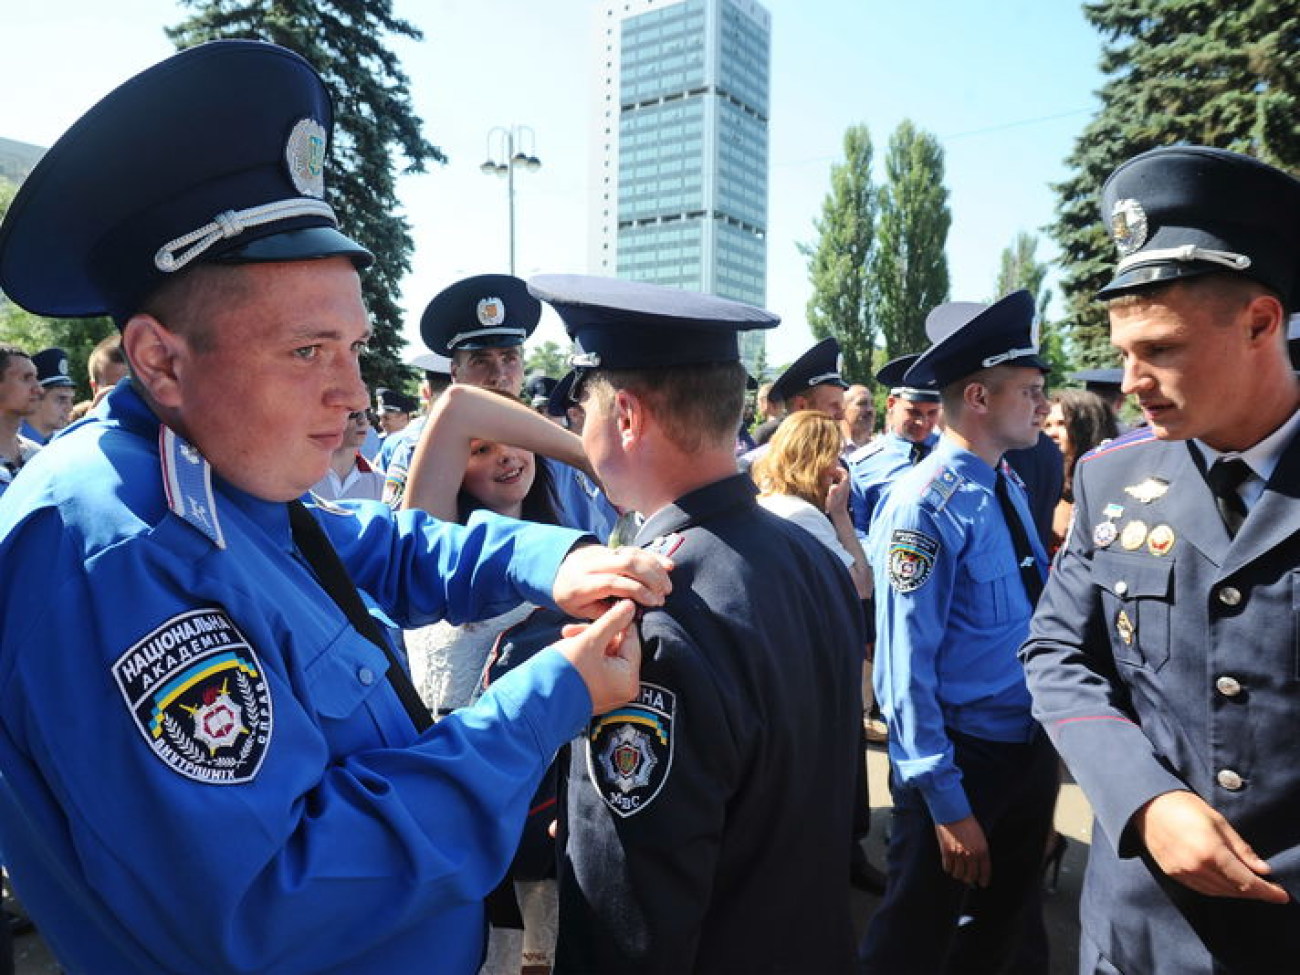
x,y
199,697
630,750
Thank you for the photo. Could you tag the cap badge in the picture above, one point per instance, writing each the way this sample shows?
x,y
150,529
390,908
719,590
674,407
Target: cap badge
x,y
304,154
1128,226
491,311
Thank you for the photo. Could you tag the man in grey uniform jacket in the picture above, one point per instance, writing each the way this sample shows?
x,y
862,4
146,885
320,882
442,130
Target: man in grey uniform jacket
x,y
1164,658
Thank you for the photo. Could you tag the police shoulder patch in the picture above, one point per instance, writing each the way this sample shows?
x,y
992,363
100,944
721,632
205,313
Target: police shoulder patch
x,y
911,559
630,750
199,697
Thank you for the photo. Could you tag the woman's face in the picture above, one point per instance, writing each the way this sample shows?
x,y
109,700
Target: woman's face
x,y
499,476
1054,427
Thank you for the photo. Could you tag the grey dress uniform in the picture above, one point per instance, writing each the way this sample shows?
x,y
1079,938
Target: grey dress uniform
x,y
1164,656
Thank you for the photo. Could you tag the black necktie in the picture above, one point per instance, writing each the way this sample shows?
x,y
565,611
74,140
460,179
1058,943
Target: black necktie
x,y
918,452
333,577
1028,565
1225,477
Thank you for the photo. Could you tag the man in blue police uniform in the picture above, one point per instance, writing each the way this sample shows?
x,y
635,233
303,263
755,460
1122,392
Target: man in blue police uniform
x,y
1162,659
481,323
957,570
910,435
209,762
394,409
707,824
58,392
812,382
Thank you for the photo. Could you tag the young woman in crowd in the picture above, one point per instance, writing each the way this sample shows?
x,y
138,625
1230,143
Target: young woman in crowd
x,y
465,462
1078,422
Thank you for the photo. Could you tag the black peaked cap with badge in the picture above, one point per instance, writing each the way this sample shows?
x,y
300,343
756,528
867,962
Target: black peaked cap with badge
x,y
620,324
891,375
820,364
216,154
52,368
393,401
1181,211
487,311
538,389
982,336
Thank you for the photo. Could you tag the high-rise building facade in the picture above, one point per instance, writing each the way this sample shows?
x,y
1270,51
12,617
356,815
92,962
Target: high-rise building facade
x,y
680,147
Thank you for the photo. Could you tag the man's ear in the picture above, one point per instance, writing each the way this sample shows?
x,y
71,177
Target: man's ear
x,y
975,397
1264,316
153,352
630,415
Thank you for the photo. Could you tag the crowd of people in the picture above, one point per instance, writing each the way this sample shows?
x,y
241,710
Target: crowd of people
x,y
577,673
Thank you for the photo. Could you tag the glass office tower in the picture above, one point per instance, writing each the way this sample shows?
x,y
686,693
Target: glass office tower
x,y
680,153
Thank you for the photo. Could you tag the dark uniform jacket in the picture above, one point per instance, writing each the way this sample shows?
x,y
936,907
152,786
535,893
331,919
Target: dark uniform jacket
x,y
709,821
1165,655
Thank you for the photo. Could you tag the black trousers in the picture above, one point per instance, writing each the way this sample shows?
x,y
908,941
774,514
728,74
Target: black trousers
x,y
928,922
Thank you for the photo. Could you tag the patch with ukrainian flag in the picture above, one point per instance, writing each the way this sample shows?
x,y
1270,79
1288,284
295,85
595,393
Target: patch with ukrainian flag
x,y
199,696
630,750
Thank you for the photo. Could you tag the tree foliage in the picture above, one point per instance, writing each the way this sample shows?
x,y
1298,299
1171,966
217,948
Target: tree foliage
x,y
548,359
837,263
909,266
374,121
1192,71
31,333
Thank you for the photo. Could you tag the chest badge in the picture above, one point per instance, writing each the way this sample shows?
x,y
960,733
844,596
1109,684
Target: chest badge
x,y
1147,491
1124,627
1133,535
1104,533
1161,540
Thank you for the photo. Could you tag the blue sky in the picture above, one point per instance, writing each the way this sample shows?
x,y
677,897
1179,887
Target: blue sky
x,y
1006,85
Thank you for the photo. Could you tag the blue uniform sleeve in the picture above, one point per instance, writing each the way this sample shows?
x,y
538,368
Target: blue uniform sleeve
x,y
1077,694
289,819
915,565
421,570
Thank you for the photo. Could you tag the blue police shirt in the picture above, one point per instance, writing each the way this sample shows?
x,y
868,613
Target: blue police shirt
x,y
872,468
205,767
951,612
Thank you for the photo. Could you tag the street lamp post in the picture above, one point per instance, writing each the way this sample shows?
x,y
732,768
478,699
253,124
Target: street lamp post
x,y
506,139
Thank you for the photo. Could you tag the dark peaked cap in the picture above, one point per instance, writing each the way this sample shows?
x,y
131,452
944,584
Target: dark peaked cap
x,y
891,375
487,311
633,325
1181,211
1099,380
820,364
992,335
52,368
216,154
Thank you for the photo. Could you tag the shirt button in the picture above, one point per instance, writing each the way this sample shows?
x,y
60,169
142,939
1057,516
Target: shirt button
x,y
1229,779
366,676
1228,686
1121,588
1230,595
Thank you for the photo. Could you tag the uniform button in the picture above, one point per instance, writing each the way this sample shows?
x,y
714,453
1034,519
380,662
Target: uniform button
x,y
1229,779
1228,686
366,676
1230,595
1121,588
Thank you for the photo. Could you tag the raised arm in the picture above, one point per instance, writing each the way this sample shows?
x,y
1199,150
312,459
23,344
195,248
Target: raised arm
x,y
465,413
